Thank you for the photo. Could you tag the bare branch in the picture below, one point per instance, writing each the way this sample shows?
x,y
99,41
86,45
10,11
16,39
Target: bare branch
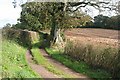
x,y
84,4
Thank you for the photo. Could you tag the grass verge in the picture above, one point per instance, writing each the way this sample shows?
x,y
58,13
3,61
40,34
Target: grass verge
x,y
14,64
40,60
80,67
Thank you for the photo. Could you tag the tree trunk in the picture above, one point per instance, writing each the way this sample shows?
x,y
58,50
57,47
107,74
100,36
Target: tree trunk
x,y
55,35
58,39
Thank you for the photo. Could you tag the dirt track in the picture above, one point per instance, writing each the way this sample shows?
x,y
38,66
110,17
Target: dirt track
x,y
39,69
92,35
62,67
47,75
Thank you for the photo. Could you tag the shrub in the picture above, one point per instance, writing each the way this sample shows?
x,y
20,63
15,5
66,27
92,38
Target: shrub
x,y
99,56
20,36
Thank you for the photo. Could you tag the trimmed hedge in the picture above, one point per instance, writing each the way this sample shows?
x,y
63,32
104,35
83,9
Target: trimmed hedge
x,y
22,37
99,56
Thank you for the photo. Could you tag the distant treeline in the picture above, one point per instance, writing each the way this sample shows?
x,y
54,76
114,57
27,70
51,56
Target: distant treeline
x,y
105,22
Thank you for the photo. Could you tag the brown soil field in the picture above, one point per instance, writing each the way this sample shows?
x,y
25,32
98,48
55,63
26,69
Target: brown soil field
x,y
104,37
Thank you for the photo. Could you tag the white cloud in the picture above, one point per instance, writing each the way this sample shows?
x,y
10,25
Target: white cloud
x,y
9,14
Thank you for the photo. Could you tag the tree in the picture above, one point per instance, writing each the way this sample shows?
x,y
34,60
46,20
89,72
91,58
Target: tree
x,y
107,22
101,21
115,22
58,15
18,26
28,18
49,15
7,26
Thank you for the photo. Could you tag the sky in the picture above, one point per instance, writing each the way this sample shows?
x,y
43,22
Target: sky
x,y
9,14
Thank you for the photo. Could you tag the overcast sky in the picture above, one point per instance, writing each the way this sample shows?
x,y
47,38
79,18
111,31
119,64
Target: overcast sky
x,y
9,14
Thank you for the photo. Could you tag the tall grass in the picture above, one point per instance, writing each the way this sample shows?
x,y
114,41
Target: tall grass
x,y
107,58
14,64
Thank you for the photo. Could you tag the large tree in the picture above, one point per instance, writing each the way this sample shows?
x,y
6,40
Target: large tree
x,y
51,16
58,15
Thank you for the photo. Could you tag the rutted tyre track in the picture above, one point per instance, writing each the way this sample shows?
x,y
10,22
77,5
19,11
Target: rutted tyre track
x,y
61,66
39,69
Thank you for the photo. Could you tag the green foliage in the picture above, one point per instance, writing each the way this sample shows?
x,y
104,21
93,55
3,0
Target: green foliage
x,y
79,66
104,57
14,64
7,26
32,22
18,26
107,22
33,16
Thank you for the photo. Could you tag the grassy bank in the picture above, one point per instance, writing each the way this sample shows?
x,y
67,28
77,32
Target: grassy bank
x,y
40,60
14,64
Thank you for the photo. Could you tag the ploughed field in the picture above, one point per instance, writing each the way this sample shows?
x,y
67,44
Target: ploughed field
x,y
97,36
